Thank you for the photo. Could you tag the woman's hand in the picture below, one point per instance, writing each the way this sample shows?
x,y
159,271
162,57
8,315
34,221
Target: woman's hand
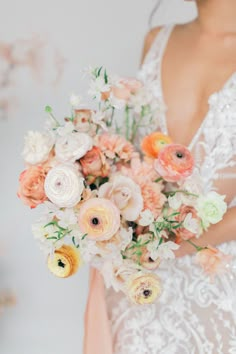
x,y
224,231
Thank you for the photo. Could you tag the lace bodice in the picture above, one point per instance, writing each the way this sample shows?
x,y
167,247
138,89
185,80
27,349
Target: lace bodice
x,y
193,315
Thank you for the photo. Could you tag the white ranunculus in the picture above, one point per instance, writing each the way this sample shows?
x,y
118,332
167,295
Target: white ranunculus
x,y
70,148
37,147
125,194
64,186
211,208
146,218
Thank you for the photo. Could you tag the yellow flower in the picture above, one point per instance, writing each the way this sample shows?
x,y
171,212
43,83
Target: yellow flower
x,y
65,261
143,288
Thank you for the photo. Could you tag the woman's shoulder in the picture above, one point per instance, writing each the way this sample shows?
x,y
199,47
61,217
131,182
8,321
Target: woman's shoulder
x,y
149,39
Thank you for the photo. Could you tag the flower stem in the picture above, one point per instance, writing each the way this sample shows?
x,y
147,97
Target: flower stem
x,y
198,248
172,193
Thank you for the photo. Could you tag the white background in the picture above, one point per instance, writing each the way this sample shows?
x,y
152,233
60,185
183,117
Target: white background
x,y
48,316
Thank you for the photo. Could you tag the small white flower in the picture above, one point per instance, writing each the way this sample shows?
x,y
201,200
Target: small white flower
x,y
66,217
88,249
211,208
191,224
66,130
64,186
73,147
164,251
42,233
97,87
126,236
147,218
175,201
75,101
98,118
37,147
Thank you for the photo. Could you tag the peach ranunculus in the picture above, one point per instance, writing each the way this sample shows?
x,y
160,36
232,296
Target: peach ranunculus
x,y
212,260
191,223
94,165
143,288
125,194
99,219
31,188
115,146
174,163
125,88
153,143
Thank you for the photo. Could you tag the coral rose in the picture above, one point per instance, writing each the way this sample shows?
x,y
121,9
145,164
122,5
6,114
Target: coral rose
x,y
191,223
94,164
31,189
153,143
174,163
212,260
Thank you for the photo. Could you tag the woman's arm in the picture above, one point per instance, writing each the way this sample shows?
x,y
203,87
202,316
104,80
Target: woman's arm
x,y
224,231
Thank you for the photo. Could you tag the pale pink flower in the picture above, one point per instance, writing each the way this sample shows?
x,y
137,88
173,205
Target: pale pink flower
x,y
125,88
140,171
212,260
125,194
115,146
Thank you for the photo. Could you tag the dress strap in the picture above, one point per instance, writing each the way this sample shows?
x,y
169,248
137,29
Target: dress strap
x,y
157,49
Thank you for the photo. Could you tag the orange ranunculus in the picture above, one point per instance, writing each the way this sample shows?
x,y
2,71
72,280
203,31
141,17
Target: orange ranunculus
x,y
153,143
31,188
94,164
212,260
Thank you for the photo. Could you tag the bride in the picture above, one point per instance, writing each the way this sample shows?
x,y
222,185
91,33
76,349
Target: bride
x,y
193,71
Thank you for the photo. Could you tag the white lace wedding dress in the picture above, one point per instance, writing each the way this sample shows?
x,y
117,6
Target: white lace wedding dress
x,y
193,315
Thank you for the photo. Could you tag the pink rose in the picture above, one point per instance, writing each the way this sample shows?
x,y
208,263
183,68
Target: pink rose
x,y
174,163
125,88
31,189
94,164
212,260
191,227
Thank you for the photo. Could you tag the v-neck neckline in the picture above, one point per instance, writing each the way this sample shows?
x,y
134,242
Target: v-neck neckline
x,y
164,117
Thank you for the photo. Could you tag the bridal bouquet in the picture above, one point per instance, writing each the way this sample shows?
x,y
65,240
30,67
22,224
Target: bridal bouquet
x,y
119,207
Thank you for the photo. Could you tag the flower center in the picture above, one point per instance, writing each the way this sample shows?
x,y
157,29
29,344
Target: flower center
x,y
179,154
147,293
150,260
95,221
61,264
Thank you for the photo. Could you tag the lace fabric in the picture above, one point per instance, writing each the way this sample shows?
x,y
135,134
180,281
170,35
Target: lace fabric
x,y
193,315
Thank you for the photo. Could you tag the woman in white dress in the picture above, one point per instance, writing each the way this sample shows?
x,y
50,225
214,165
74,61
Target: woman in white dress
x,y
193,71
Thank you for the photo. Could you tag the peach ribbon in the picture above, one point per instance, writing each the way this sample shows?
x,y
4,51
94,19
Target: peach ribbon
x,y
97,330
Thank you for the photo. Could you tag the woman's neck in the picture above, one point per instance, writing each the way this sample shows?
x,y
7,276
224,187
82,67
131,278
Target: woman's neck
x,y
217,17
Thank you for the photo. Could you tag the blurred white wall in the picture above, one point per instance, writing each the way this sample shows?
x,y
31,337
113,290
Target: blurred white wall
x,y
48,316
